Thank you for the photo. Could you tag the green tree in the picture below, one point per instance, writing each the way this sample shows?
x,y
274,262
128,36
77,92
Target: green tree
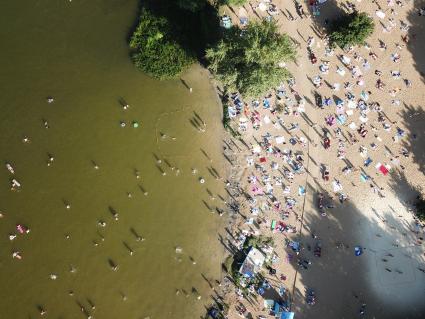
x,y
233,2
352,30
155,51
192,5
420,208
248,61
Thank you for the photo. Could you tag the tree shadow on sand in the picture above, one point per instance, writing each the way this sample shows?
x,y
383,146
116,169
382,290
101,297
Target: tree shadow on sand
x,y
343,281
416,44
405,190
330,11
413,119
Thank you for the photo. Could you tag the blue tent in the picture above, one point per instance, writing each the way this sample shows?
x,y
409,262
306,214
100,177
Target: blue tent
x,y
287,315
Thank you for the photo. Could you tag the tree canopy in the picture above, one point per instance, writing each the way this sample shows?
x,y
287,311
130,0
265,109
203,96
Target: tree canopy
x,y
233,2
420,208
192,5
352,30
248,61
155,51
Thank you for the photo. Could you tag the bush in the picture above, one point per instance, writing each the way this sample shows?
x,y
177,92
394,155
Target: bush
x,y
352,30
233,2
155,51
420,208
248,61
257,242
192,5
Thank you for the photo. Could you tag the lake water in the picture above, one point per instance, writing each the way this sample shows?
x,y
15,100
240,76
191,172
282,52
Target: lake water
x,y
77,52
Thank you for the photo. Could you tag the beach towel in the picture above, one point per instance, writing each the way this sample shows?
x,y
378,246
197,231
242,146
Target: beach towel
x,y
256,149
364,177
351,105
231,111
244,21
280,139
341,119
380,14
384,170
336,186
294,245
358,250
340,109
368,161
262,6
250,221
364,95
363,119
257,191
269,188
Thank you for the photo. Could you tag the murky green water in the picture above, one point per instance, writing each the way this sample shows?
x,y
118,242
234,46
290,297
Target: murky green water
x,y
77,52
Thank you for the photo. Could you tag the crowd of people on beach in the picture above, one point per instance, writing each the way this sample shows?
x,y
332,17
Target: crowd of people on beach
x,y
347,114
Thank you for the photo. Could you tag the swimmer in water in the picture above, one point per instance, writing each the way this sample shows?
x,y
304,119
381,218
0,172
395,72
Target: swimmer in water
x,y
95,166
42,311
137,173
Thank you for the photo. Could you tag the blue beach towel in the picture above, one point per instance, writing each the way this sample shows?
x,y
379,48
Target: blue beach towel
x,y
358,250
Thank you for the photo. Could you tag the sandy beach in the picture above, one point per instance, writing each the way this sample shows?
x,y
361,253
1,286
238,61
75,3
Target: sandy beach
x,y
366,206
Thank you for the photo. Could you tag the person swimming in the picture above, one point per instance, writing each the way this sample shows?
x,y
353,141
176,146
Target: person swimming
x,y
17,255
